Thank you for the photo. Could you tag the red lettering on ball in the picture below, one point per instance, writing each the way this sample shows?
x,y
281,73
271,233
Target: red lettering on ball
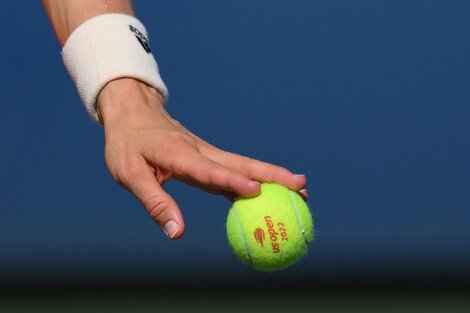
x,y
272,234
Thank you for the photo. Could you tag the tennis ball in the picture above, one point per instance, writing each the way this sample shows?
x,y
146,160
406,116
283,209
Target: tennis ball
x,y
272,230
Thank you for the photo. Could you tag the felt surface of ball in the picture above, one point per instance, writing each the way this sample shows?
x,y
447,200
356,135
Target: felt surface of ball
x,y
272,230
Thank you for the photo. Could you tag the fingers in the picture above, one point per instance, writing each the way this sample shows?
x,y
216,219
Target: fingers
x,y
304,194
212,175
139,179
258,170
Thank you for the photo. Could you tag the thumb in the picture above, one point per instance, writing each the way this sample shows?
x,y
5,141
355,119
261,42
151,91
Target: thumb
x,y
164,211
159,204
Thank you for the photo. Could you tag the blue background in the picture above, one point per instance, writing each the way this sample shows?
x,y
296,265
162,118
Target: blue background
x,y
368,98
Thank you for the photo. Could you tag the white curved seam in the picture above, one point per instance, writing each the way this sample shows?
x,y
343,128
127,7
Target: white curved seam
x,y
299,220
247,249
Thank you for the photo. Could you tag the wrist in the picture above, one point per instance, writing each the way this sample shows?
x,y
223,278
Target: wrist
x,y
105,48
126,96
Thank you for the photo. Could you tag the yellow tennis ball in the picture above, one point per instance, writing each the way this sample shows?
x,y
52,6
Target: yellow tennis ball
x,y
272,230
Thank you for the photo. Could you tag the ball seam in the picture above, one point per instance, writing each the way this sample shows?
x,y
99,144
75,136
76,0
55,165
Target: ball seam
x,y
242,233
299,220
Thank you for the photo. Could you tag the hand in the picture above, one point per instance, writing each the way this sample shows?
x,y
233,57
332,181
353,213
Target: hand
x,y
145,147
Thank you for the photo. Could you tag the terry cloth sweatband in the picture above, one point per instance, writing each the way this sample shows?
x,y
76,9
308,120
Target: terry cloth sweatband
x,y
107,47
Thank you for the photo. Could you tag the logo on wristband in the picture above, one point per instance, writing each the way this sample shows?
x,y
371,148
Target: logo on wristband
x,y
141,38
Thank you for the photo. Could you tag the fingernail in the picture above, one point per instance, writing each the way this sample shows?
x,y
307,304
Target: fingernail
x,y
304,194
301,175
171,228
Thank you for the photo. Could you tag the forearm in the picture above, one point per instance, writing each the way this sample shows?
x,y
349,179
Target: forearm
x,y
66,15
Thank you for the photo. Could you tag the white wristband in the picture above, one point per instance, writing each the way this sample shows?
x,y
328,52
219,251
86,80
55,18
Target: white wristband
x,y
107,47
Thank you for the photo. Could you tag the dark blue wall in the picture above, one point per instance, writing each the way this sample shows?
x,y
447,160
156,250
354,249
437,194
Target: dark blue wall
x,y
368,98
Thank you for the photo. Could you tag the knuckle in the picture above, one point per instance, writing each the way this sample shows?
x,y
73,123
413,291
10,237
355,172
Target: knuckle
x,y
128,173
280,173
156,205
282,170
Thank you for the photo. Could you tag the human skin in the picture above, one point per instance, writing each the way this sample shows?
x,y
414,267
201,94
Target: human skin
x,y
145,146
